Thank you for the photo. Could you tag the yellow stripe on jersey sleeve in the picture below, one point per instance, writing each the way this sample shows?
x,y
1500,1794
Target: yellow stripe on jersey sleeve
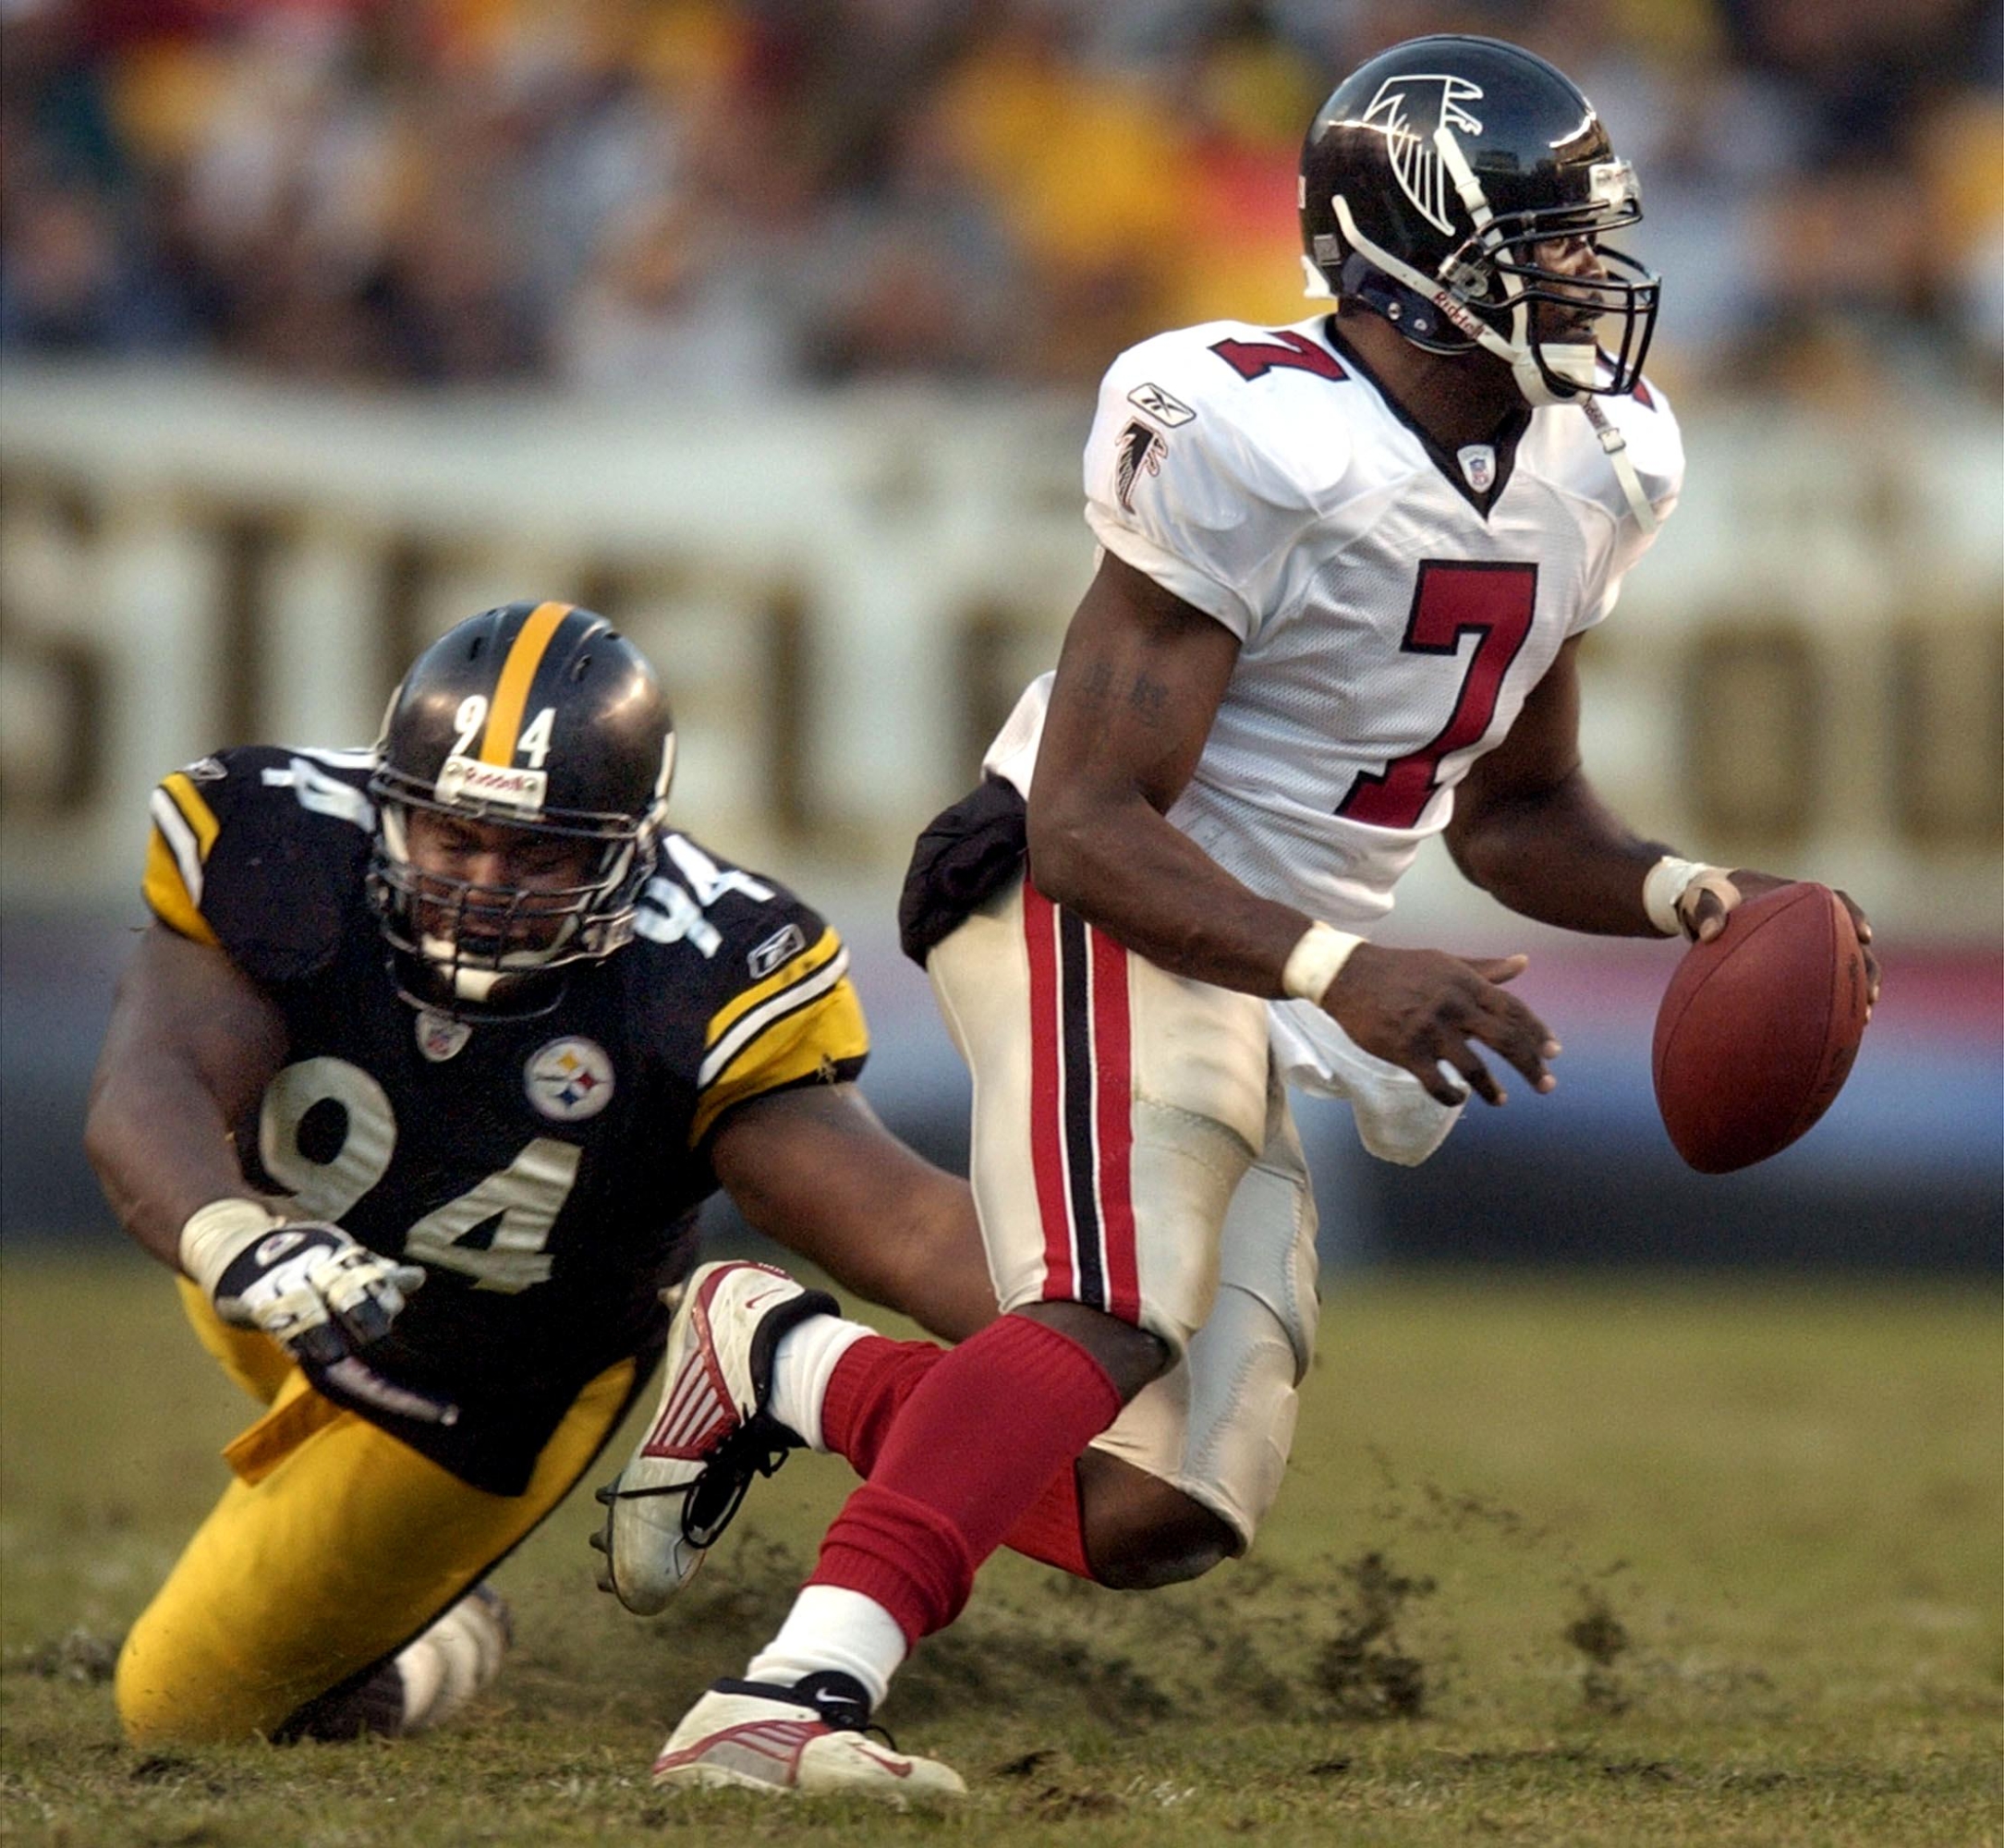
x,y
822,1032
194,810
185,828
798,969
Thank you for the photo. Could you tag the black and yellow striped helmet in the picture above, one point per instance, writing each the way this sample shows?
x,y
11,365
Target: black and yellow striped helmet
x,y
533,716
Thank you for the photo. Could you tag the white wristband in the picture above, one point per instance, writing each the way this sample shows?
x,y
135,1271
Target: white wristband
x,y
216,1233
1316,961
1665,883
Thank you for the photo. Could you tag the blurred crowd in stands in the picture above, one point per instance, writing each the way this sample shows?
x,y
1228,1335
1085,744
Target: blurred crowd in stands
x,y
710,199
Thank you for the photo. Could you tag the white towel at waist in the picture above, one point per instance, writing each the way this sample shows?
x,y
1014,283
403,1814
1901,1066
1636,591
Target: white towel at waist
x,y
1396,1119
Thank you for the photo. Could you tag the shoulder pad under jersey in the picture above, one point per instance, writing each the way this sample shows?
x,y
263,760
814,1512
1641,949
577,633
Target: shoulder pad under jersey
x,y
780,1009
261,851
1213,448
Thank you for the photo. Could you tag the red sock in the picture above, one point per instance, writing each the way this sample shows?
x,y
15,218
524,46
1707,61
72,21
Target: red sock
x,y
872,1382
979,1439
1052,1529
865,1392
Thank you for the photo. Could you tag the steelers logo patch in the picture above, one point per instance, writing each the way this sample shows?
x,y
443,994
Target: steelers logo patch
x,y
569,1078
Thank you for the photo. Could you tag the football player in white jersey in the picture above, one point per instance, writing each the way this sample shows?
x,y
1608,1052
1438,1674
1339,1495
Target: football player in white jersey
x,y
1345,570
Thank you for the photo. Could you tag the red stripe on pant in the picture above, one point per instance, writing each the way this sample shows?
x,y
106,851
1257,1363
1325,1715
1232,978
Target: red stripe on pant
x,y
1047,1092
1113,1106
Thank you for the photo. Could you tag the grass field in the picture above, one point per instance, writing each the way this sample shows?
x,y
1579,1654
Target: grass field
x,y
1627,1561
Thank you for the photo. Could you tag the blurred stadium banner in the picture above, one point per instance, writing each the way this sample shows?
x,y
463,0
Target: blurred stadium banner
x,y
845,592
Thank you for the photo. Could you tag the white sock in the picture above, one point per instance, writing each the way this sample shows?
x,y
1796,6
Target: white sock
x,y
833,1627
803,1364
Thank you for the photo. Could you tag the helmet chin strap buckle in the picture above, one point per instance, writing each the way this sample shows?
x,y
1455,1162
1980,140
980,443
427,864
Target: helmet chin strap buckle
x,y
1616,447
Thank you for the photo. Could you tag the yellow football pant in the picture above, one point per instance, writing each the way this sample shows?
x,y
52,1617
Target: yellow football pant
x,y
334,1546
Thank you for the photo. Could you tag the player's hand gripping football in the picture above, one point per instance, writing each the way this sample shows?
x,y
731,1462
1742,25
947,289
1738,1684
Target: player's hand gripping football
x,y
1707,903
1421,1009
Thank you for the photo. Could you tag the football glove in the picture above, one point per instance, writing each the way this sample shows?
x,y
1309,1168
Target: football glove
x,y
306,1284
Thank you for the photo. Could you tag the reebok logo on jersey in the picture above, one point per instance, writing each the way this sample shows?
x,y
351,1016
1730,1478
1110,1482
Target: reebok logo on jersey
x,y
1166,411
1140,449
781,945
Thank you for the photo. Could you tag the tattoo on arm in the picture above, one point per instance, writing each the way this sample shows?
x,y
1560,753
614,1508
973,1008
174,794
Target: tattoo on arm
x,y
1147,700
1095,685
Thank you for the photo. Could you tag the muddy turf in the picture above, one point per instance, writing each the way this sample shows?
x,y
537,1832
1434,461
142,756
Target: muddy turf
x,y
1631,1561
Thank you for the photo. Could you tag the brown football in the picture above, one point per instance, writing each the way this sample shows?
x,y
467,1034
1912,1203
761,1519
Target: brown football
x,y
1759,1029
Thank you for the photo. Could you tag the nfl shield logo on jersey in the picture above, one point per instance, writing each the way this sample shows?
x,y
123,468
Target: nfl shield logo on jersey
x,y
440,1035
1478,466
569,1079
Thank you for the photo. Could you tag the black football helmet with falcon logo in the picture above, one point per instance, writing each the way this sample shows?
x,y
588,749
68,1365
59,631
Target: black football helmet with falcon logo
x,y
1431,181
541,718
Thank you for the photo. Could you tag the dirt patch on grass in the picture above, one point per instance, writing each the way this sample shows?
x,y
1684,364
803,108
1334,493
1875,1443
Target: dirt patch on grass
x,y
1602,1639
1364,1671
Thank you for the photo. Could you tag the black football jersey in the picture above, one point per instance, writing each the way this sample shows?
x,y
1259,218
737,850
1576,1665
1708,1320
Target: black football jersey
x,y
544,1172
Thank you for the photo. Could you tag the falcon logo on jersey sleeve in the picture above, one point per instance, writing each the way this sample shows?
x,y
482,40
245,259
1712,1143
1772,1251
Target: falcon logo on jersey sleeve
x,y
1140,449
801,1022
185,829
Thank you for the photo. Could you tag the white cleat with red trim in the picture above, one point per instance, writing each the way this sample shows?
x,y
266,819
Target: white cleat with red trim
x,y
807,1740
710,1434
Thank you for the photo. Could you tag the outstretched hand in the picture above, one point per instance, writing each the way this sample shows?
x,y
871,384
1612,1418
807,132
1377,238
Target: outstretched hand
x,y
1706,904
321,1296
1421,1009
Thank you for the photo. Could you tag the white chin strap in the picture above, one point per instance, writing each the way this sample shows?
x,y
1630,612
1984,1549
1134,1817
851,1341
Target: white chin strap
x,y
476,982
1616,446
1572,362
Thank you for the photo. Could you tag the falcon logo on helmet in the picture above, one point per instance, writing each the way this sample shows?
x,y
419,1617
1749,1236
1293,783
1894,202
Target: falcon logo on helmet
x,y
1450,225
1409,134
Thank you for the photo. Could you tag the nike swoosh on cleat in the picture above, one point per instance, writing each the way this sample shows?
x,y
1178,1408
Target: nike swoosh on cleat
x,y
891,1764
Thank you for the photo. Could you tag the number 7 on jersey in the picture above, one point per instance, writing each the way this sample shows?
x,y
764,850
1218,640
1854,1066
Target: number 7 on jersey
x,y
1494,603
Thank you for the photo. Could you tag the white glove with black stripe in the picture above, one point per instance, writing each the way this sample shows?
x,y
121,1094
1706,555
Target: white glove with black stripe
x,y
308,1285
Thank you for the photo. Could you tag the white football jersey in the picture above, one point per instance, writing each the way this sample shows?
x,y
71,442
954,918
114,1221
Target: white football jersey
x,y
1392,629
1396,606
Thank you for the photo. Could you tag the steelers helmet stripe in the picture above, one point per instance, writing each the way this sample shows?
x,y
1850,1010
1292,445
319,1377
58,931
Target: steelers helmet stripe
x,y
511,691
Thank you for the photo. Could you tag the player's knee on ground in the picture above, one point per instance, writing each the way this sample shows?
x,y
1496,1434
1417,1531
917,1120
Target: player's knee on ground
x,y
1141,1532
169,1694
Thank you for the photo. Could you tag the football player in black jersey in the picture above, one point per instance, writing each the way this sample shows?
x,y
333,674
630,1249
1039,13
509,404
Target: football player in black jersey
x,y
463,1012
